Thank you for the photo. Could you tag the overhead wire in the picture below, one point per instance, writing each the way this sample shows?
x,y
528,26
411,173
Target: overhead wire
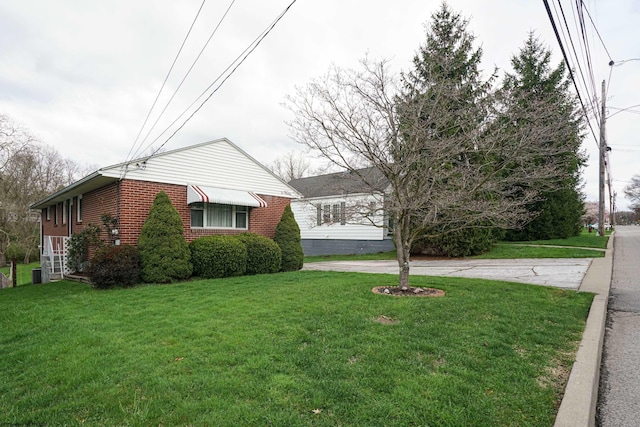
x,y
589,96
590,111
595,27
238,61
193,64
586,50
566,59
166,78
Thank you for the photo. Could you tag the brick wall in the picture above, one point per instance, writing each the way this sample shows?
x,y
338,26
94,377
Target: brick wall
x,y
95,204
265,220
136,200
51,227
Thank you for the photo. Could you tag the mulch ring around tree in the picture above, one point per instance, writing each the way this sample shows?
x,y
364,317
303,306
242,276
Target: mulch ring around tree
x,y
410,291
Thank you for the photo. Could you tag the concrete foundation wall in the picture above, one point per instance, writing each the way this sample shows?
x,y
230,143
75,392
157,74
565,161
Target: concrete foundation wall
x,y
335,246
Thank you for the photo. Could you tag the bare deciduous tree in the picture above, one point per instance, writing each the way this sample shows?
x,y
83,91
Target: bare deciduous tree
x,y
290,166
632,191
456,153
438,180
29,170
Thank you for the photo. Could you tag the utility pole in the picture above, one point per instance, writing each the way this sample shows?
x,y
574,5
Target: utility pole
x,y
603,150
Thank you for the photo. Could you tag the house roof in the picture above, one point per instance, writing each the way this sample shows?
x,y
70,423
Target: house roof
x,y
360,181
218,163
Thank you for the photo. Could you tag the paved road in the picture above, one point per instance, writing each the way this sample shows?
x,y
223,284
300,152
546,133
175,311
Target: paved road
x,y
619,394
562,273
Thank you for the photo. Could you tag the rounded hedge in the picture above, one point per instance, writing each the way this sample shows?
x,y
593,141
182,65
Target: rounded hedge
x,y
459,243
218,256
287,236
264,256
164,252
115,266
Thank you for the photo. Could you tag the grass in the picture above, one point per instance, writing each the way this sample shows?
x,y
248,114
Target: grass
x,y
584,240
24,272
358,257
516,251
290,349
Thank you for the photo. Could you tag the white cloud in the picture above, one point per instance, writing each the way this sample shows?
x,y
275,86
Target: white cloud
x,y
83,75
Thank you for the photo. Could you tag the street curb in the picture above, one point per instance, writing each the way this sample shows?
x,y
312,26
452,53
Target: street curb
x,y
578,407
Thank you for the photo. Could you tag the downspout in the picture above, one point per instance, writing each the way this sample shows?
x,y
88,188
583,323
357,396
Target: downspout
x,y
69,203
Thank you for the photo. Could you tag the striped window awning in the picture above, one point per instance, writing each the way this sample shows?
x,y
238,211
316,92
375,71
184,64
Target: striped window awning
x,y
224,196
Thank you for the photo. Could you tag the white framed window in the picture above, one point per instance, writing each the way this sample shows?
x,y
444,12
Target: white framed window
x,y
215,215
331,214
326,214
79,209
55,214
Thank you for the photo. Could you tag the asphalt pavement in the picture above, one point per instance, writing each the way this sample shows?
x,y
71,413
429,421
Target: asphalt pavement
x,y
619,395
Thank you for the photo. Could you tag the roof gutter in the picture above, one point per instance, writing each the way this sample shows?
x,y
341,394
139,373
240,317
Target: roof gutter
x,y
47,201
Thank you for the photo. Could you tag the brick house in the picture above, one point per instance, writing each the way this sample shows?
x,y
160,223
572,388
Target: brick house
x,y
216,187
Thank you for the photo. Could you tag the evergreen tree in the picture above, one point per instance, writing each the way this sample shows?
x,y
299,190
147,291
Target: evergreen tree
x,y
557,213
287,236
447,77
164,252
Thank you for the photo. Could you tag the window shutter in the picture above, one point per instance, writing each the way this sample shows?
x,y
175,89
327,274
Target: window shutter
x,y
319,217
343,215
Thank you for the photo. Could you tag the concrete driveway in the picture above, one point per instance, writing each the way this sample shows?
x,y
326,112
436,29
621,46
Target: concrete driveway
x,y
559,272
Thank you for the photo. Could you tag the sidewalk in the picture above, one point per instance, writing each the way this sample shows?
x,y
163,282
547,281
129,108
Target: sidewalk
x,y
578,407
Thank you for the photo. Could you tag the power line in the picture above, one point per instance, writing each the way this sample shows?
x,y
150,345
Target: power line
x,y
566,59
596,30
165,81
586,48
238,61
215,30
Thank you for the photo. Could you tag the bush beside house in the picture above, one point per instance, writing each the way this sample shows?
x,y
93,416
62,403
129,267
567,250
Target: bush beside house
x,y
287,236
264,256
164,252
115,266
218,256
163,255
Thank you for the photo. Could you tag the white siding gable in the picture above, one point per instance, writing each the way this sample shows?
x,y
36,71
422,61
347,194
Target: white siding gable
x,y
218,163
306,215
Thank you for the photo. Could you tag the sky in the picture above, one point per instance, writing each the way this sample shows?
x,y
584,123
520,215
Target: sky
x,y
83,75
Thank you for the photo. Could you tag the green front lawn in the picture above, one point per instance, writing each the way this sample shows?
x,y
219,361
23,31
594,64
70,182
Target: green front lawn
x,y
509,250
358,257
290,349
584,240
517,251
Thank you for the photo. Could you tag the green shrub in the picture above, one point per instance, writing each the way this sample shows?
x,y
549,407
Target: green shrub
x,y
218,256
288,238
115,266
263,254
164,253
459,243
79,245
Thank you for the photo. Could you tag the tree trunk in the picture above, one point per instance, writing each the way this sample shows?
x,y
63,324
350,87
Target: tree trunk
x,y
403,254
